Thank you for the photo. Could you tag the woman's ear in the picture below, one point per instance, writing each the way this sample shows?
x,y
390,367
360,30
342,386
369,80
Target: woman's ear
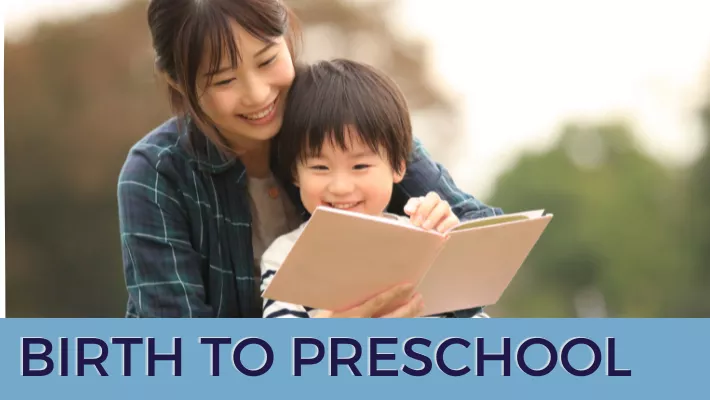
x,y
173,84
294,179
399,174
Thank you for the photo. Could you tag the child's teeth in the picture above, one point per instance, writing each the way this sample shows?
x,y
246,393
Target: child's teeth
x,y
349,205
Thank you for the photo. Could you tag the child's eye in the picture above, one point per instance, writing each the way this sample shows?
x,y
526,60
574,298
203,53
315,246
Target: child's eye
x,y
267,62
361,166
318,167
224,82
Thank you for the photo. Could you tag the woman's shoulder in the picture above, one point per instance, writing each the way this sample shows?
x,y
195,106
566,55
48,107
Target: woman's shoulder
x,y
164,141
162,151
177,145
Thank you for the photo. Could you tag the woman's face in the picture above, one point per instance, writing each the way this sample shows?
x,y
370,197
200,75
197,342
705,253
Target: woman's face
x,y
247,103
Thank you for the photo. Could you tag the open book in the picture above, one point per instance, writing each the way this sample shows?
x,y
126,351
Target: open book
x,y
343,258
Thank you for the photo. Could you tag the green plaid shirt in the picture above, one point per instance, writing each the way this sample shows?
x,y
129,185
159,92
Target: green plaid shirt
x,y
185,224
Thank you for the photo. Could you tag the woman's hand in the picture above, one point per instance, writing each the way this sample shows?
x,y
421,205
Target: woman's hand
x,y
397,302
431,212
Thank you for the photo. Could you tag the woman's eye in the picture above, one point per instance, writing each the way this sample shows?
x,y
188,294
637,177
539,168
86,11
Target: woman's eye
x,y
267,62
224,82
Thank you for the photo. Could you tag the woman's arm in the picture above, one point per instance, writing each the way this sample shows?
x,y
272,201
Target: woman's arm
x,y
161,268
424,175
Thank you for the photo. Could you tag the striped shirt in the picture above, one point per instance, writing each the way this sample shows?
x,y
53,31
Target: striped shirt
x,y
271,262
185,223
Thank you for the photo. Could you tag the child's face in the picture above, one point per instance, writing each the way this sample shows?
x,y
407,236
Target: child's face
x,y
355,179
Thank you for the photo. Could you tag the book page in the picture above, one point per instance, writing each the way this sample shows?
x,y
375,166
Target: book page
x,y
343,259
475,266
498,219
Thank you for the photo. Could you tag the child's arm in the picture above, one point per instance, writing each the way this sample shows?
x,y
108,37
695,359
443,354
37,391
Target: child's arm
x,y
273,308
270,263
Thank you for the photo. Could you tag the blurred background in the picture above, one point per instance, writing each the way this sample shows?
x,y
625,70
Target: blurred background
x,y
597,111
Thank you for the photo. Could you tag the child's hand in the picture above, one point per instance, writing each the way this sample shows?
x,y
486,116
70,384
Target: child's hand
x,y
431,212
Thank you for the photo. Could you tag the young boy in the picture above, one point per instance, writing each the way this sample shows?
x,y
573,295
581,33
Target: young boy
x,y
345,140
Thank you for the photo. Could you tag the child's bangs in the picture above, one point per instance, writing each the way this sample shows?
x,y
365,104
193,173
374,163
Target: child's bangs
x,y
344,108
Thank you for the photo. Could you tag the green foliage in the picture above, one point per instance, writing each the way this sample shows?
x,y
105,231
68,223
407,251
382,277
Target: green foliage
x,y
615,228
77,96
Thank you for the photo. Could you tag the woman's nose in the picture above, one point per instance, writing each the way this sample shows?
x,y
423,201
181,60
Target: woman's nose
x,y
256,94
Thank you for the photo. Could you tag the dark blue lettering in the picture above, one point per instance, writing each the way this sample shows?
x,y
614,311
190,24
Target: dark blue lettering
x,y
299,361
43,355
481,357
175,356
375,356
551,362
596,356
611,359
63,356
82,361
409,352
126,342
439,354
215,342
268,358
335,359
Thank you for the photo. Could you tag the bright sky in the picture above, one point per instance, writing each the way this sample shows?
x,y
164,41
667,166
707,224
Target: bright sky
x,y
526,66
22,14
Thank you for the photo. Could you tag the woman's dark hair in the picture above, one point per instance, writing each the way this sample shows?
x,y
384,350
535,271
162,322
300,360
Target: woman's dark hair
x,y
329,96
182,30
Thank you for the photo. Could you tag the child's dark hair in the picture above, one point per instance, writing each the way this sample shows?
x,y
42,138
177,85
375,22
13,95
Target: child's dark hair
x,y
327,96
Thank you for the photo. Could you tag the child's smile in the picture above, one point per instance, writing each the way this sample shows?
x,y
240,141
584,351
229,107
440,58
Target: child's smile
x,y
354,179
351,206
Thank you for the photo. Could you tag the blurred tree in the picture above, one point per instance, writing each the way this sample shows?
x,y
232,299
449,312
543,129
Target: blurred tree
x,y
697,224
612,248
77,95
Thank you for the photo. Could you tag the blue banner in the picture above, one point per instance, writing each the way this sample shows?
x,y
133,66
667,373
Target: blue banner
x,y
355,359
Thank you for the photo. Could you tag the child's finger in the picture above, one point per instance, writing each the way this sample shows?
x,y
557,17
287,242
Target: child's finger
x,y
412,204
450,222
425,208
439,213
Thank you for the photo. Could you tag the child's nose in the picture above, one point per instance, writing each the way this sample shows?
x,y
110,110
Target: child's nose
x,y
340,185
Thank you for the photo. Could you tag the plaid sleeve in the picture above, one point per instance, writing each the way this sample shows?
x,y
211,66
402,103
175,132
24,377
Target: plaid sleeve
x,y
424,175
161,269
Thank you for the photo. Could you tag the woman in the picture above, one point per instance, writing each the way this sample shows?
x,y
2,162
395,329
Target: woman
x,y
198,203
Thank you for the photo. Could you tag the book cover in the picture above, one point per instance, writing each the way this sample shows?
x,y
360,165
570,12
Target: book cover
x,y
342,258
